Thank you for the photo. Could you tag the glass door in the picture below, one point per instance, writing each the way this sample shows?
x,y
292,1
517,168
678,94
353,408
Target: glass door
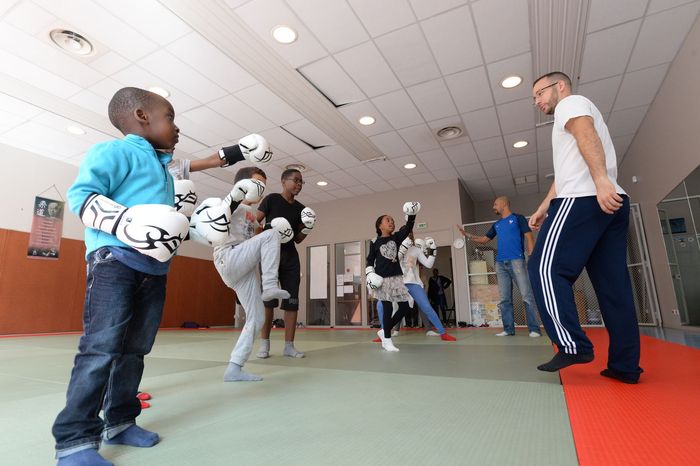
x,y
318,302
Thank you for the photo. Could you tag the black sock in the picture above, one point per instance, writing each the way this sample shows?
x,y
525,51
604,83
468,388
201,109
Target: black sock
x,y
562,360
621,376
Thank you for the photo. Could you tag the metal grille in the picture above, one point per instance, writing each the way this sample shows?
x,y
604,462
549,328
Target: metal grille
x,y
483,284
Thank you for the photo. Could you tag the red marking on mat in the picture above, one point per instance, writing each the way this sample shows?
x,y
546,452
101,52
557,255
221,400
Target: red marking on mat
x,y
652,422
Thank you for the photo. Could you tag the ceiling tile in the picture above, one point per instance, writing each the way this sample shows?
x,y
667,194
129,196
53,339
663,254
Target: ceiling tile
x,y
658,5
398,108
544,137
410,68
386,170
662,35
422,178
479,186
401,182
382,17
201,54
38,77
444,174
391,144
490,149
527,189
452,39
519,66
625,122
328,77
482,123
433,99
471,172
333,23
324,197
399,163
425,9
524,165
621,145
109,63
241,114
640,87
359,190
503,28
606,52
190,146
482,196
316,161
353,112
263,15
341,178
268,104
197,124
419,138
340,193
470,89
139,77
435,159
604,13
152,19
365,173
17,107
602,93
516,116
462,154
368,69
284,141
28,17
339,156
309,133
495,168
501,183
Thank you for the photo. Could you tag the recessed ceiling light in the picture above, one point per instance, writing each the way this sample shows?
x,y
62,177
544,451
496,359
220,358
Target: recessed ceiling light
x,y
520,144
78,131
71,42
410,166
449,132
160,91
367,120
284,34
322,183
511,81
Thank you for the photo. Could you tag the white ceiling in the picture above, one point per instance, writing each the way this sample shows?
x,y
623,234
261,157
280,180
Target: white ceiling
x,y
415,65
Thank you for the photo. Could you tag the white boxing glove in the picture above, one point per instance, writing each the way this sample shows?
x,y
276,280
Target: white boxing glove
x,y
421,244
281,225
211,221
431,246
185,197
405,244
253,148
250,190
411,208
155,230
308,218
374,280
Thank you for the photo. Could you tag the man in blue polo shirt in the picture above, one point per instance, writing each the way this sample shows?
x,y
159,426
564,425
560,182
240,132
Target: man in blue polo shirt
x,y
512,232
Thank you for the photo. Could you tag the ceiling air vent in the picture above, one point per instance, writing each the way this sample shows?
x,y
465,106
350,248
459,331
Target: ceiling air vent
x,y
71,42
449,132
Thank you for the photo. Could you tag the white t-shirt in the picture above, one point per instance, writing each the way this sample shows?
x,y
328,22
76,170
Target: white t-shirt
x,y
409,264
242,227
179,169
571,174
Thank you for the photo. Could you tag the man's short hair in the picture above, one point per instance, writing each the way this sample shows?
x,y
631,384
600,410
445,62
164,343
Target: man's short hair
x,y
124,102
504,199
288,172
555,76
247,173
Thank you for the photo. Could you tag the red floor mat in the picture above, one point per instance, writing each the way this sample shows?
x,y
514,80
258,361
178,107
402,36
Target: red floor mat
x,y
656,422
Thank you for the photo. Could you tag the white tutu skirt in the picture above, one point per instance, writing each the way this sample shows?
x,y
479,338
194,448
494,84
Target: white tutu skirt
x,y
392,289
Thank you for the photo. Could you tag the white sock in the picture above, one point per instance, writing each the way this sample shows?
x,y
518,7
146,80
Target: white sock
x,y
291,351
264,350
235,373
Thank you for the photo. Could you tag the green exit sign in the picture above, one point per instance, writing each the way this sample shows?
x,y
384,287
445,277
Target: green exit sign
x,y
422,226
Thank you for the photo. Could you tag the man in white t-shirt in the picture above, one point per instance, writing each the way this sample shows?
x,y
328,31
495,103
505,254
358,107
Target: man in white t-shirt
x,y
583,221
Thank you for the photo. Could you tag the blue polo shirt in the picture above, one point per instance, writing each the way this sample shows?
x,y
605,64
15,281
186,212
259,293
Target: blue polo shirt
x,y
511,237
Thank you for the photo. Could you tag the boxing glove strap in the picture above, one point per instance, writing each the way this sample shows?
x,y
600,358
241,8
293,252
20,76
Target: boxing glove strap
x,y
231,154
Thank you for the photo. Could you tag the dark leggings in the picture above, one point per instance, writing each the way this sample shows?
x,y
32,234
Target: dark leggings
x,y
388,320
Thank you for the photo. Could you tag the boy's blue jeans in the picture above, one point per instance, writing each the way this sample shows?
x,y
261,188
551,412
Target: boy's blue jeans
x,y
507,272
121,315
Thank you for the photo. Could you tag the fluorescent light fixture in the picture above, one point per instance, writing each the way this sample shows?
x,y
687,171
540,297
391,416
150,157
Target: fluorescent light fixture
x,y
322,183
520,144
160,91
284,34
511,82
78,131
367,120
410,166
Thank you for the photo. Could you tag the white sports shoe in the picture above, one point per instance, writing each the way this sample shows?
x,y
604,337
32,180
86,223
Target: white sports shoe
x,y
535,335
432,333
388,345
394,333
504,334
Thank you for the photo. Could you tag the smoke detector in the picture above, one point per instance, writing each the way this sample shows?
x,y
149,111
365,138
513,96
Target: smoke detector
x,y
449,132
71,42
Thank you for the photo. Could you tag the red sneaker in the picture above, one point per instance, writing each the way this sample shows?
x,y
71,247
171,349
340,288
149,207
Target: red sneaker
x,y
447,337
145,404
377,340
143,396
